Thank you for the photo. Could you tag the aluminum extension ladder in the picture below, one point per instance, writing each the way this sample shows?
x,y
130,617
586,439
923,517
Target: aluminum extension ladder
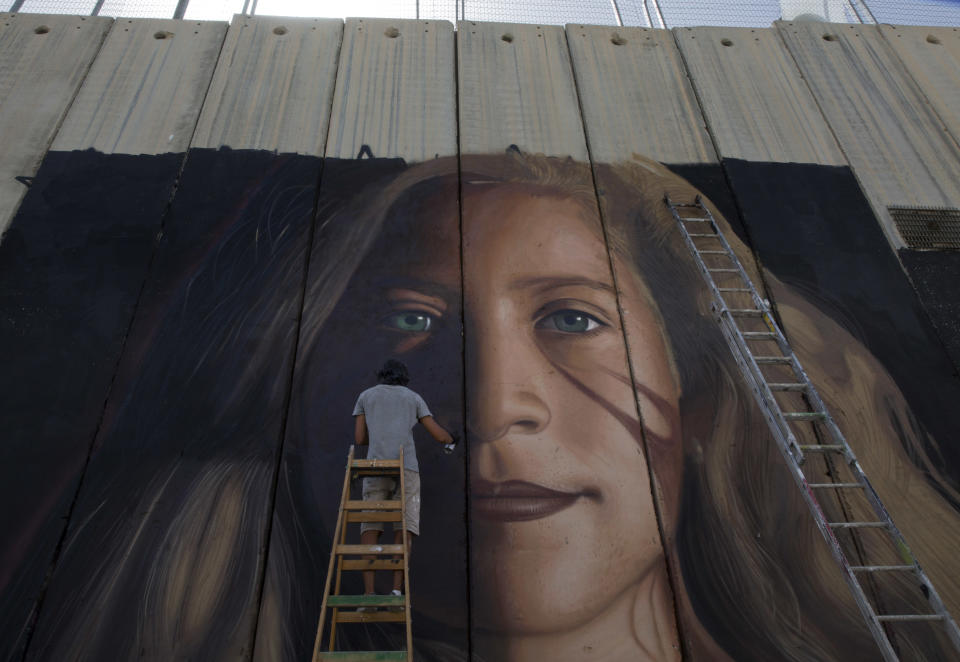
x,y
716,260
347,557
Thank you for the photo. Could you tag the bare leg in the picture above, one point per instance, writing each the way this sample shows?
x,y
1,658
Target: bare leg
x,y
398,540
369,538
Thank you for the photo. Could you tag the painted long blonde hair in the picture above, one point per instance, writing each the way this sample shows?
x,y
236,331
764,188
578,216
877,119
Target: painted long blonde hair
x,y
749,566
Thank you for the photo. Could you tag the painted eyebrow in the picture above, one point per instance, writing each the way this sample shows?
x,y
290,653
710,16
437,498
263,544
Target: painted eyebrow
x,y
427,287
544,283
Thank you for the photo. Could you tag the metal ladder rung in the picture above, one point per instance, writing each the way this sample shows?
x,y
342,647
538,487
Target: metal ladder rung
x,y
691,219
713,253
713,271
766,360
804,415
834,485
787,387
857,525
715,236
745,312
823,448
910,617
880,568
759,335
734,289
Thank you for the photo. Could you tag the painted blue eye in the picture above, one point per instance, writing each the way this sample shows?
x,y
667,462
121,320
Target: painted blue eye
x,y
569,321
410,322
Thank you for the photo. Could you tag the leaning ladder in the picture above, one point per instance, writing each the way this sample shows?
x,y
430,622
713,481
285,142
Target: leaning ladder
x,y
344,557
706,242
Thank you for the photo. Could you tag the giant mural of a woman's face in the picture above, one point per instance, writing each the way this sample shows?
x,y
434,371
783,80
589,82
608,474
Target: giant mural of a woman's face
x,y
560,498
569,552
616,497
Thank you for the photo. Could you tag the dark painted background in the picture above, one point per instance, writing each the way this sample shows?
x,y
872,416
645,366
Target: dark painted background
x,y
72,264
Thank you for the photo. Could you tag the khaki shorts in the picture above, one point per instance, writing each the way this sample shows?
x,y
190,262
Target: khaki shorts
x,y
381,488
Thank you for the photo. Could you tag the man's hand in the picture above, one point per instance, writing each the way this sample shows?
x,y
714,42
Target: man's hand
x,y
449,448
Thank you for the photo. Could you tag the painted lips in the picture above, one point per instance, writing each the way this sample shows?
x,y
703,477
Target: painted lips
x,y
519,501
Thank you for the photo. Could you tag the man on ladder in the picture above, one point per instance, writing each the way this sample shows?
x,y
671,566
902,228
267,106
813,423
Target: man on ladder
x,y
384,417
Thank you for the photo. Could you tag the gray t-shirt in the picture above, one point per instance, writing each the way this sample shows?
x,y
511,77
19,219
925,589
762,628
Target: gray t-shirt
x,y
391,411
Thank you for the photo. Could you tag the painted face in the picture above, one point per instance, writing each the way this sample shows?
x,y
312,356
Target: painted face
x,y
562,517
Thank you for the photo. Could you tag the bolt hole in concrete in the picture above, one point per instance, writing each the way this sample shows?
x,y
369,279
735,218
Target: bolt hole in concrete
x,y
42,29
393,33
931,39
507,38
726,42
162,35
829,37
279,30
617,40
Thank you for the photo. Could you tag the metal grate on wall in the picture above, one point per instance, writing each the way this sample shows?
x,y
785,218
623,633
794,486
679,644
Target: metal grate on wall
x,y
928,227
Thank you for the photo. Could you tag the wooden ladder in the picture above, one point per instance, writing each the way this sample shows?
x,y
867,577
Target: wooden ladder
x,y
346,557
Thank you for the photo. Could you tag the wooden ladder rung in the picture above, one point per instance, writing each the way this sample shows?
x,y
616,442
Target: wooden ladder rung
x,y
362,656
368,549
376,464
366,600
378,516
372,505
371,617
371,564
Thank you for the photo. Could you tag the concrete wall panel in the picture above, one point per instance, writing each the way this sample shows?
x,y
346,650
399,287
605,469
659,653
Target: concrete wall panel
x,y
892,138
635,96
755,100
273,86
104,211
395,104
516,88
44,60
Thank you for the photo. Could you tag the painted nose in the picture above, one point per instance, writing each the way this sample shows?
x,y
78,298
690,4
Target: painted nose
x,y
505,385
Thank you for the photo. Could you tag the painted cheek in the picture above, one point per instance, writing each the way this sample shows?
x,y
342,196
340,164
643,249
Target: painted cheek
x,y
657,390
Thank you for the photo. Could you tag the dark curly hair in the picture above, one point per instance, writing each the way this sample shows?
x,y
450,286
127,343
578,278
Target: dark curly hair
x,y
394,373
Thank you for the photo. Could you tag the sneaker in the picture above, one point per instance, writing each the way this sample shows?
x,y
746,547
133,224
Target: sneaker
x,y
367,610
397,593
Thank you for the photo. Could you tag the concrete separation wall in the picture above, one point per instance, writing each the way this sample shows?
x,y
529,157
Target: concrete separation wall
x,y
214,235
